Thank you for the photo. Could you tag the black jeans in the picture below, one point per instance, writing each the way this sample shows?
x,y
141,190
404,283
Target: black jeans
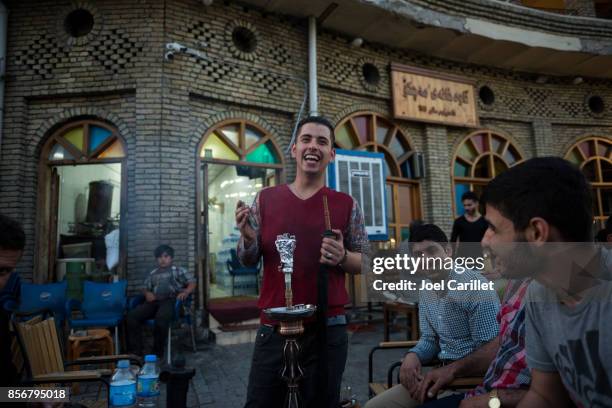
x,y
451,401
8,373
268,390
162,311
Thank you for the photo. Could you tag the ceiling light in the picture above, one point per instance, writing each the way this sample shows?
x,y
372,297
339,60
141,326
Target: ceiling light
x,y
357,42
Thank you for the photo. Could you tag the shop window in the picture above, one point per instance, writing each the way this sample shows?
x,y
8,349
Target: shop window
x,y
82,189
593,155
480,157
237,159
372,132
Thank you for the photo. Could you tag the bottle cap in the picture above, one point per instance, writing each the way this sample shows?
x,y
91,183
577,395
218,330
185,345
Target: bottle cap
x,y
123,364
150,358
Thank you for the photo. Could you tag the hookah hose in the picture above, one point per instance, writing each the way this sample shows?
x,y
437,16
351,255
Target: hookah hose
x,y
322,300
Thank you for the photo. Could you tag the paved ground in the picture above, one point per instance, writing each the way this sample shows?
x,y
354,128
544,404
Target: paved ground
x,y
222,371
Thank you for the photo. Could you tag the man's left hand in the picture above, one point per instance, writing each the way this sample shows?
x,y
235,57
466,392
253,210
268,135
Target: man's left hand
x,y
480,401
182,296
332,250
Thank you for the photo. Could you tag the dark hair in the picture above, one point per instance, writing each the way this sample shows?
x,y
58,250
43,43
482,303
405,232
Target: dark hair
x,y
12,236
546,187
469,195
164,249
428,232
320,120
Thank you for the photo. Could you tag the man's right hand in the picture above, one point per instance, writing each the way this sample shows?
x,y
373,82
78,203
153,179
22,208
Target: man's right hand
x,y
434,381
243,212
410,373
150,297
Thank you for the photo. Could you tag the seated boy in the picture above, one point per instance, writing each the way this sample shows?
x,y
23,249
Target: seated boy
x,y
162,287
453,323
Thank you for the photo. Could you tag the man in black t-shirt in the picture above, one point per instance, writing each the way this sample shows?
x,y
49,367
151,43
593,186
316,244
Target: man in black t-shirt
x,y
470,227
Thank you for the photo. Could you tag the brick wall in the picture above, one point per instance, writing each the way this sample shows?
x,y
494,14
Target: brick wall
x,y
583,8
163,108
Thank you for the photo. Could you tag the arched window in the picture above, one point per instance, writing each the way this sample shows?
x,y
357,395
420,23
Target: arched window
x,y
239,140
83,192
594,157
374,133
236,159
480,157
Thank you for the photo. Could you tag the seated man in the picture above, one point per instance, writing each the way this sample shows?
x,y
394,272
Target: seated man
x,y
452,323
162,287
545,205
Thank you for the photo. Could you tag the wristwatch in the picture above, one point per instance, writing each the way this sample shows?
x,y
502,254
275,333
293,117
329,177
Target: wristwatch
x,y
494,401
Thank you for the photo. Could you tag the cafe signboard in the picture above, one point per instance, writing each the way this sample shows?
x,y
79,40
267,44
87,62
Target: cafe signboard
x,y
427,96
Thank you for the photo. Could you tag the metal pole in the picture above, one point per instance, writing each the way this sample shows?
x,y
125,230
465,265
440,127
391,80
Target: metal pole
x,y
312,66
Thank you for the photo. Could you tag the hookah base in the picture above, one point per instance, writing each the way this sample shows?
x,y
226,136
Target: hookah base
x,y
294,328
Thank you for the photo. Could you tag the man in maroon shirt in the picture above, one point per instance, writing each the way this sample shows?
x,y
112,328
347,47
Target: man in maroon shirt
x,y
298,209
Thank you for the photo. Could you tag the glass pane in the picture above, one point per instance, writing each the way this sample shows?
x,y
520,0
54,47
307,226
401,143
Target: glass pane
x,y
75,137
381,131
498,144
389,203
587,148
467,151
115,150
604,149
362,124
59,153
481,141
97,136
232,132
461,169
217,149
459,190
89,206
500,166
397,146
251,136
482,168
405,234
511,156
226,185
590,171
406,167
263,154
606,171
390,166
575,157
404,200
343,138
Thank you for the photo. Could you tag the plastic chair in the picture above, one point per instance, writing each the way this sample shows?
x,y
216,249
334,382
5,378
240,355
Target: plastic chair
x,y
235,268
103,305
50,296
177,317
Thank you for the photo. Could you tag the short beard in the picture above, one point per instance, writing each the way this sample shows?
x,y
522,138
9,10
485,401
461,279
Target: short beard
x,y
522,261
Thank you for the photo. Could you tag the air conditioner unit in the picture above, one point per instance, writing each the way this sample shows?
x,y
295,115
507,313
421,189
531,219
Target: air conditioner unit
x,y
362,176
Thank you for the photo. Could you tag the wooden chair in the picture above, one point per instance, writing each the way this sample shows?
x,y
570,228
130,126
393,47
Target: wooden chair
x,y
43,358
375,388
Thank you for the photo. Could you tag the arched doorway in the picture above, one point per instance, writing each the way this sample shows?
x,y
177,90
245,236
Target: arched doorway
x,y
82,196
236,159
372,132
480,157
593,155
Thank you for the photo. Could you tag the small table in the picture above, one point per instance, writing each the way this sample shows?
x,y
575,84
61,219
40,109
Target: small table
x,y
97,342
412,314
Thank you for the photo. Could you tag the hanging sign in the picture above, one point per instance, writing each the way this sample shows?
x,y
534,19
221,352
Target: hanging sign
x,y
428,96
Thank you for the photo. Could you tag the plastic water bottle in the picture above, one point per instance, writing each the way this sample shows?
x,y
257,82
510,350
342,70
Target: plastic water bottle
x,y
148,383
123,386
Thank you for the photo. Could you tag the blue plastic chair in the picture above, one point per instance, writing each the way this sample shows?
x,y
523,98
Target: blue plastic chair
x,y
177,317
235,268
103,305
50,296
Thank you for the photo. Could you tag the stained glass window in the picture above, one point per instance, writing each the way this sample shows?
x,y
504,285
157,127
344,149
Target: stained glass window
x,y
84,142
593,155
480,157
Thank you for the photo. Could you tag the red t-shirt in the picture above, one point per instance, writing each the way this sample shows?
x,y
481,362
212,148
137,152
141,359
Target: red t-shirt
x,y
281,212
